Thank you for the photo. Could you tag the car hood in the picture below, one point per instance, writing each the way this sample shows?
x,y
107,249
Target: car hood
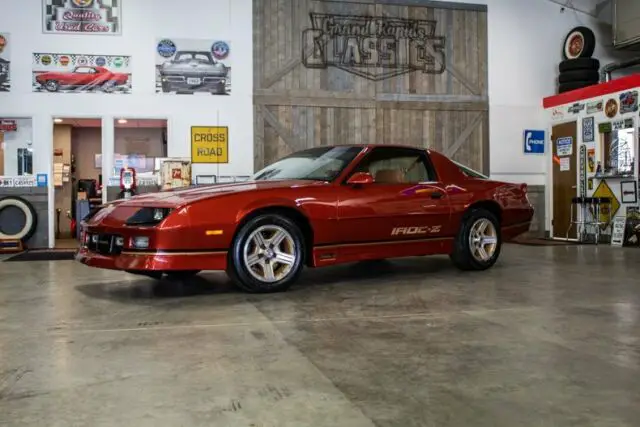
x,y
194,66
179,197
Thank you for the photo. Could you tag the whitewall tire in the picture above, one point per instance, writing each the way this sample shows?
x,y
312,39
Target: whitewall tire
x,y
30,222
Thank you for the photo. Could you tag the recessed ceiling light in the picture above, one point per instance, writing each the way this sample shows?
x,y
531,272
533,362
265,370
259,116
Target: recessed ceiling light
x,y
57,120
122,121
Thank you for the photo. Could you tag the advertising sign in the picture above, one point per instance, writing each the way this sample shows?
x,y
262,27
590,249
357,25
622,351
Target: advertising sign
x,y
81,16
209,144
190,66
5,62
76,73
373,47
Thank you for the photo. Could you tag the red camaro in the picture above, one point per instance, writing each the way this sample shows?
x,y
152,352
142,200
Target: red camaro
x,y
98,77
318,207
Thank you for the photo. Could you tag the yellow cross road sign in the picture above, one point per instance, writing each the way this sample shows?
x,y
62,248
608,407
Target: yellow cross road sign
x,y
209,144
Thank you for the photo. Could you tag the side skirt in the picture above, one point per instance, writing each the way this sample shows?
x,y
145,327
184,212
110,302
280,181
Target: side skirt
x,y
352,252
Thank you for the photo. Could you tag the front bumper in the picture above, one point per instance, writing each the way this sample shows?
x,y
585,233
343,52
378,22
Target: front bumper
x,y
195,82
154,261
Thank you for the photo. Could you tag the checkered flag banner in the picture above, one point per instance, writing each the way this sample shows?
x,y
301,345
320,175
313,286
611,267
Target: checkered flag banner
x,y
82,16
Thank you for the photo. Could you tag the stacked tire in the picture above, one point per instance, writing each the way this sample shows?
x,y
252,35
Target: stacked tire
x,y
578,69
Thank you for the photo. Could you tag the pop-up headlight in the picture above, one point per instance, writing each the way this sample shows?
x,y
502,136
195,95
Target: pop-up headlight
x,y
148,216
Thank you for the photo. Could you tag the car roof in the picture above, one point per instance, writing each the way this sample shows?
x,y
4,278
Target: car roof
x,y
383,145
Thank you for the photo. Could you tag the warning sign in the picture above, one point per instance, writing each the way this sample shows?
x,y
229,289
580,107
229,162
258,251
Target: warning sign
x,y
209,144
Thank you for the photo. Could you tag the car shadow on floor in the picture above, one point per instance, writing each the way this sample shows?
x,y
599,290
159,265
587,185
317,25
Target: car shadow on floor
x,y
216,283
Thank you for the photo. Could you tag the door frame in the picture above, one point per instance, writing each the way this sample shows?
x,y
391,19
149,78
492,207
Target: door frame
x,y
549,164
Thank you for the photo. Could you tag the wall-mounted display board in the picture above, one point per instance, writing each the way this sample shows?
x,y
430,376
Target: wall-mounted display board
x,y
81,16
193,66
5,62
78,73
369,72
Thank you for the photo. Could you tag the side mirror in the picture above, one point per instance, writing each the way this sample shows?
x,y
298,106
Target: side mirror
x,y
360,178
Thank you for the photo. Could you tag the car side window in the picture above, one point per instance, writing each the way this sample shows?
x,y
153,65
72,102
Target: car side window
x,y
84,70
389,165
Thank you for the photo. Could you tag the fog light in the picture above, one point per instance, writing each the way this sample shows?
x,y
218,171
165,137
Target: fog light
x,y
94,238
119,241
140,242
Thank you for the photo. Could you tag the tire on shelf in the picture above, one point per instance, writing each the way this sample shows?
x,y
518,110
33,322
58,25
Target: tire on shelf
x,y
579,64
566,87
579,76
579,43
31,218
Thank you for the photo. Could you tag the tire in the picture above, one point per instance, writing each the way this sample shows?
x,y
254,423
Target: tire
x,y
244,247
52,86
579,43
566,87
181,274
579,76
579,64
31,221
463,255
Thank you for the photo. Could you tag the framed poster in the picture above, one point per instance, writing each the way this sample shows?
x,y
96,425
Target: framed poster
x,y
5,61
193,66
82,17
588,131
628,192
77,73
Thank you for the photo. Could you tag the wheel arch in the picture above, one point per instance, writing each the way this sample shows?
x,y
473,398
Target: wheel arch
x,y
292,213
489,205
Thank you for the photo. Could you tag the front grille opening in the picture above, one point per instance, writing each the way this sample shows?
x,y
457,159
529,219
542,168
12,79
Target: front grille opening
x,y
104,244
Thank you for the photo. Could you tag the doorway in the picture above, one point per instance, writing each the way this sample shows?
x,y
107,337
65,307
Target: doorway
x,y
77,175
565,178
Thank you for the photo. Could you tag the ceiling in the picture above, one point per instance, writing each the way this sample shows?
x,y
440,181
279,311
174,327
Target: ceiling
x,y
97,123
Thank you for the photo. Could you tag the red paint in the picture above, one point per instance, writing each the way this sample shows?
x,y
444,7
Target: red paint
x,y
349,223
71,78
613,86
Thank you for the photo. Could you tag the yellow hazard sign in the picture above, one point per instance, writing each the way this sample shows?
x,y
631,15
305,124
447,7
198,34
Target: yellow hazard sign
x,y
209,144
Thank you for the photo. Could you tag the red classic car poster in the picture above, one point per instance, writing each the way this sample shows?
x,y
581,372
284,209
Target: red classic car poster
x,y
73,73
193,66
5,58
81,16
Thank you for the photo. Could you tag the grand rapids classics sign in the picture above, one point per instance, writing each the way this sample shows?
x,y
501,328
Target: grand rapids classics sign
x,y
373,47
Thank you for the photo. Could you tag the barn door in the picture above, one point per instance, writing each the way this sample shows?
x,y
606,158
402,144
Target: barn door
x,y
343,72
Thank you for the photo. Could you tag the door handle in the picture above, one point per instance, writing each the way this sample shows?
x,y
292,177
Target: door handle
x,y
574,186
436,195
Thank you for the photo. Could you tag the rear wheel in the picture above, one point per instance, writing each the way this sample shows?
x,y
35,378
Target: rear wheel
x,y
267,254
478,243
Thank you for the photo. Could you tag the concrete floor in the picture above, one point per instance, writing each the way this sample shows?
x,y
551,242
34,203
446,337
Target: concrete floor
x,y
549,337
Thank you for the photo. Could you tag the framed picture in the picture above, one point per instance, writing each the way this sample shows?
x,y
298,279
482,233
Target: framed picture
x,y
588,129
628,191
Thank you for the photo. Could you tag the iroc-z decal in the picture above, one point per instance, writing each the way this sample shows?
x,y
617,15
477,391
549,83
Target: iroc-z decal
x,y
411,231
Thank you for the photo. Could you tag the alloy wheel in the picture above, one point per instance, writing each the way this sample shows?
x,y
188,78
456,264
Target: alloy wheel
x,y
269,253
483,240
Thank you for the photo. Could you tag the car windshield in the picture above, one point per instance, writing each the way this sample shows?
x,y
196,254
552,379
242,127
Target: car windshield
x,y
188,56
317,164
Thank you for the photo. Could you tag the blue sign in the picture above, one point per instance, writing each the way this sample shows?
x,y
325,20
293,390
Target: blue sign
x,y
220,50
564,146
534,142
42,179
166,48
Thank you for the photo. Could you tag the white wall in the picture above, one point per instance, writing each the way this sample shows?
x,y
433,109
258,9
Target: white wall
x,y
525,48
22,138
143,21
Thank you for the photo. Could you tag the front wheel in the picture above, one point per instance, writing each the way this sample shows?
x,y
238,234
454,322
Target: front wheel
x,y
267,254
478,243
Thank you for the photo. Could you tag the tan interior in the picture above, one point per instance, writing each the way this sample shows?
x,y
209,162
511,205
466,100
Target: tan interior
x,y
389,176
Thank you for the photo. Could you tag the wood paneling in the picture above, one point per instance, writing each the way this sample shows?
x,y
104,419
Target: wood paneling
x,y
298,107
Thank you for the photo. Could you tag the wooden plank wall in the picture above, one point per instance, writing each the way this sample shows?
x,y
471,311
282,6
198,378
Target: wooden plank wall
x,y
298,107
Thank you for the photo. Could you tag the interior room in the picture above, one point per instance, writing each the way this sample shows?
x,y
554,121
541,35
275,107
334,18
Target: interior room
x,y
16,147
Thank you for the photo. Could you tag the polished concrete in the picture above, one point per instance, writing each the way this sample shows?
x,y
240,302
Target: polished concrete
x,y
549,337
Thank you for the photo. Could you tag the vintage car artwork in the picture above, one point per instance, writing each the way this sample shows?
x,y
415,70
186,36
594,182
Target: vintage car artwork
x,y
193,71
318,207
85,77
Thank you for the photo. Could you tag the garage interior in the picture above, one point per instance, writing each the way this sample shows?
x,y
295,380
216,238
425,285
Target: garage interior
x,y
549,336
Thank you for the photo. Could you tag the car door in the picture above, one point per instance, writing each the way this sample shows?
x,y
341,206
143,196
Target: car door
x,y
404,202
